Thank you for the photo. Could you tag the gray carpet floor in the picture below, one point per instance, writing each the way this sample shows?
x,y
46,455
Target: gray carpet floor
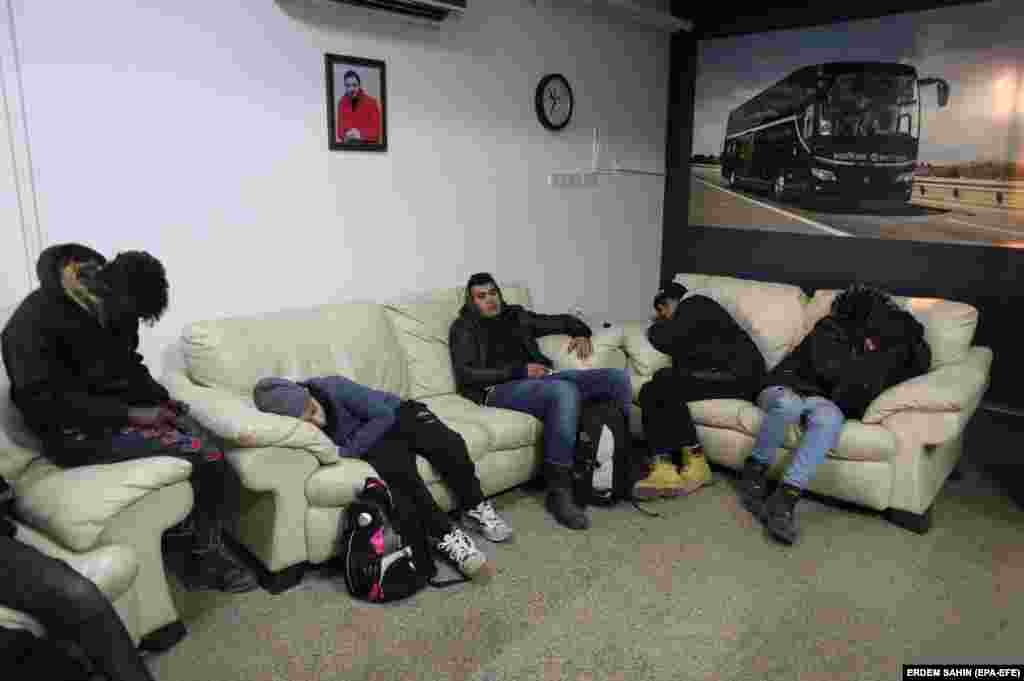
x,y
699,593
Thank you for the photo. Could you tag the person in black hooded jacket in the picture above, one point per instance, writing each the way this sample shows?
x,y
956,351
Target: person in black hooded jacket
x,y
712,358
71,352
865,345
498,363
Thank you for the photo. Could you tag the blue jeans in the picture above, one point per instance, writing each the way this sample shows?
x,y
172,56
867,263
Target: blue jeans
x,y
556,399
823,421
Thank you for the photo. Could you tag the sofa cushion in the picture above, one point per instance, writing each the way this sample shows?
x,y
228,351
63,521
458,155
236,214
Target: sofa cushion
x,y
948,325
506,429
607,345
644,359
74,505
422,332
355,340
772,313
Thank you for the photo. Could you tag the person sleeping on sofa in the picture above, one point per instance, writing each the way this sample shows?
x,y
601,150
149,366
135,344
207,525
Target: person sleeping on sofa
x,y
865,345
68,604
388,432
712,358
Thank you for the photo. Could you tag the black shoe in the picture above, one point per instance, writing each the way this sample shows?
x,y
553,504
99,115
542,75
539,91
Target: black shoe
x,y
780,513
559,501
215,570
753,486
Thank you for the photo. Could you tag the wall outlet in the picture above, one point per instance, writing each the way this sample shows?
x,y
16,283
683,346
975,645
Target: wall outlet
x,y
581,179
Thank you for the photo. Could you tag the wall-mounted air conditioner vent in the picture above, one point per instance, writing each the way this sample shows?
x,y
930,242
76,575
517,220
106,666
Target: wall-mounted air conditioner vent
x,y
432,10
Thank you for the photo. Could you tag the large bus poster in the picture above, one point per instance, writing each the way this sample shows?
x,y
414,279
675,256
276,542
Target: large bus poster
x,y
845,130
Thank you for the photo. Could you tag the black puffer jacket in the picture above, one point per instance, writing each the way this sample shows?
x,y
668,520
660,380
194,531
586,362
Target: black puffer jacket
x,y
67,371
865,345
703,337
468,345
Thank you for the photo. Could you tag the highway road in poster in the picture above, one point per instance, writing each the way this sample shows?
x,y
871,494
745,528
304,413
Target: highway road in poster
x,y
713,204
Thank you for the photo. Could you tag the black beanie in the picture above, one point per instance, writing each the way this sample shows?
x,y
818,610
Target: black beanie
x,y
670,290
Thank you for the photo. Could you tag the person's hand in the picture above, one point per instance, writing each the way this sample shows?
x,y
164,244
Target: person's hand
x,y
870,344
353,134
536,370
177,406
151,417
582,345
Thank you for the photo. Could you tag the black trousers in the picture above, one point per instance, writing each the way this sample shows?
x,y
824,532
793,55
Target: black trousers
x,y
668,423
188,441
70,606
393,456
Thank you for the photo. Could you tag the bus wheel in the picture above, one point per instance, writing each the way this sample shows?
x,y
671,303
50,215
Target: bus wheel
x,y
780,187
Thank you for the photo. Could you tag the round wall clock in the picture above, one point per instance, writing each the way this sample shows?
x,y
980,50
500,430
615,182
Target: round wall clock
x,y
553,101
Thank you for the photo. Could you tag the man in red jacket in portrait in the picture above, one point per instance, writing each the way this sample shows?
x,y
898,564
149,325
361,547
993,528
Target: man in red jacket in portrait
x,y
358,113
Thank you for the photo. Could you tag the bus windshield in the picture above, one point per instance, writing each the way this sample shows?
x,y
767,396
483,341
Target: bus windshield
x,y
870,104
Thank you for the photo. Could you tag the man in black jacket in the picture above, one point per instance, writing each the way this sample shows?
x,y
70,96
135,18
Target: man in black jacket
x,y
712,358
865,345
71,352
498,363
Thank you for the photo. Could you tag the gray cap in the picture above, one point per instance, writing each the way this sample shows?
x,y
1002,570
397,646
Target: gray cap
x,y
280,396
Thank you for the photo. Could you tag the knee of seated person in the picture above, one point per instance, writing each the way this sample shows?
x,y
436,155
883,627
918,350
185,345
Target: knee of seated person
x,y
779,399
562,392
826,414
83,598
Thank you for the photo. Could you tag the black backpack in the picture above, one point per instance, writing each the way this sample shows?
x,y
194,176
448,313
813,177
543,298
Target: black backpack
x,y
599,422
385,554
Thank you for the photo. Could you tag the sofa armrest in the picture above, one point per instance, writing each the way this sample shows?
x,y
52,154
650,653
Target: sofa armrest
x,y
238,421
938,402
73,506
607,344
112,568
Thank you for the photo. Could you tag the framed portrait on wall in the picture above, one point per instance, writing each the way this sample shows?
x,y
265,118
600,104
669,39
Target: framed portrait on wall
x,y
356,103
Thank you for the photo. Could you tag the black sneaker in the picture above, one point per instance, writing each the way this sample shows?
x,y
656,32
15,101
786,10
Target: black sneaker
x,y
215,570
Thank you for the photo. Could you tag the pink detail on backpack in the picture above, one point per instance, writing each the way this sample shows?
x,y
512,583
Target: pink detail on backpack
x,y
377,540
376,593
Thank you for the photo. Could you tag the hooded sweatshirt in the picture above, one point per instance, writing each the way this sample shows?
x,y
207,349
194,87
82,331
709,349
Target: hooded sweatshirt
x,y
72,371
473,345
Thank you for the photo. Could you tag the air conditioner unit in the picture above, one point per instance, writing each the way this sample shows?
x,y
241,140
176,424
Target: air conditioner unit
x,y
432,10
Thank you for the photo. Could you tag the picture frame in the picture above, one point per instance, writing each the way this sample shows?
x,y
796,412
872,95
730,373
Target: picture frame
x,y
356,103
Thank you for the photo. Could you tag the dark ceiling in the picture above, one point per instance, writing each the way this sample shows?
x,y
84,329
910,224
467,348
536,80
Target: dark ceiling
x,y
723,18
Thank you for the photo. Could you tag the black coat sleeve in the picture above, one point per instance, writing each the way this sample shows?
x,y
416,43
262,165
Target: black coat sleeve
x,y
150,391
466,363
45,392
550,324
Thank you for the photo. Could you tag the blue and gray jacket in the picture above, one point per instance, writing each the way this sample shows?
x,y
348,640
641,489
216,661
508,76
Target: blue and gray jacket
x,y
357,416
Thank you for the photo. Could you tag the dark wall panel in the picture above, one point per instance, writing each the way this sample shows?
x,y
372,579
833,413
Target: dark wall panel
x,y
986,277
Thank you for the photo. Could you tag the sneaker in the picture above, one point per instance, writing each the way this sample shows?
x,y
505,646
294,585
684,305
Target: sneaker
x,y
662,481
485,520
213,569
457,547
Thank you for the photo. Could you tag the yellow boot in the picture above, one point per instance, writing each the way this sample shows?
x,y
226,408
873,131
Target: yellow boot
x,y
662,481
695,472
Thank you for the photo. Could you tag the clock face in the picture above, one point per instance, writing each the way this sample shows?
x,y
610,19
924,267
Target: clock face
x,y
554,101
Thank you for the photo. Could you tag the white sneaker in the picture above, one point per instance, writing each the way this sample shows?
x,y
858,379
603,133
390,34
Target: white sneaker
x,y
603,474
460,550
485,520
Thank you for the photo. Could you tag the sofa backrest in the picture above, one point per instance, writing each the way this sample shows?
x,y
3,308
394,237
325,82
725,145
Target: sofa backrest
x,y
355,340
18,446
772,313
948,325
421,326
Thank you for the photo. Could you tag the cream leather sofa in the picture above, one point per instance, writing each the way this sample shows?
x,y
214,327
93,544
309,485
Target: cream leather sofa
x,y
106,521
292,487
897,457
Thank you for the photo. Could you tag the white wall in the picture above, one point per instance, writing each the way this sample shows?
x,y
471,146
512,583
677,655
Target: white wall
x,y
196,130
